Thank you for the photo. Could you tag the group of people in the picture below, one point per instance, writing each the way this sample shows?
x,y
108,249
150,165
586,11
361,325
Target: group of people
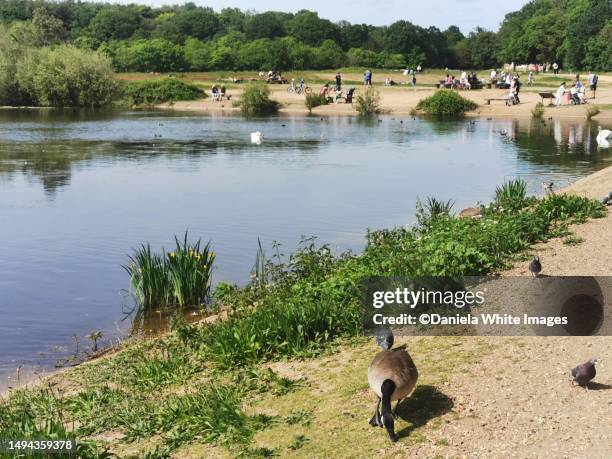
x,y
218,93
465,81
577,92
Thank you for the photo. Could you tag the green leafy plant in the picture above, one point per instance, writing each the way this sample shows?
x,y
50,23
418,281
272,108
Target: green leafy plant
x,y
255,100
591,111
314,100
511,195
152,92
538,110
368,103
447,103
178,278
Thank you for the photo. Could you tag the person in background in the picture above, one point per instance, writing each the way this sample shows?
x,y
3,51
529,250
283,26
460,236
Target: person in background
x,y
559,94
302,84
367,77
530,79
593,78
493,77
419,68
215,93
414,80
338,82
555,67
222,92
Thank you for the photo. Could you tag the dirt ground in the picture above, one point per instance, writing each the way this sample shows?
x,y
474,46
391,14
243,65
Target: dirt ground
x,y
401,99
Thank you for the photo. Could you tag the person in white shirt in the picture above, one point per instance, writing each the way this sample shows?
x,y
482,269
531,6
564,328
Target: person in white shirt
x,y
560,93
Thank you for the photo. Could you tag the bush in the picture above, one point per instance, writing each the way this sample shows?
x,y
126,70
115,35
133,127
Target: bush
x,y
447,103
368,103
511,195
255,100
591,111
64,76
151,92
538,110
314,100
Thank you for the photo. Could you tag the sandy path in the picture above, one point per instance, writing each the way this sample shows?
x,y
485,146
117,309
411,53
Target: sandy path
x,y
400,100
517,402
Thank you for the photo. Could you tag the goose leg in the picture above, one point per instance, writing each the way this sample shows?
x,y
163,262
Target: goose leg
x,y
396,407
376,421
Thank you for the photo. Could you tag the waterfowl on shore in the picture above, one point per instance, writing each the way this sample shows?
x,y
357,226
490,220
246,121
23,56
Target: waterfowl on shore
x,y
548,186
584,373
392,375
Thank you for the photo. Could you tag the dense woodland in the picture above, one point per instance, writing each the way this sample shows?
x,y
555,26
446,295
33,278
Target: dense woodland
x,y
577,34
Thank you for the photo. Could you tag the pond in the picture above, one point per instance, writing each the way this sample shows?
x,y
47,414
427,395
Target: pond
x,y
78,191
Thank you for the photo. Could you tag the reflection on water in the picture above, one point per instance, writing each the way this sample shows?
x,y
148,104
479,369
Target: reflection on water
x,y
79,190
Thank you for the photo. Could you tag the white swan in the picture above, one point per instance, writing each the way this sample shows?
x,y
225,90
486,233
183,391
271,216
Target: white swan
x,y
256,137
603,137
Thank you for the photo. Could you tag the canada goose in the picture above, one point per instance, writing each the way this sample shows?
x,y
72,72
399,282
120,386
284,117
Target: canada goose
x,y
256,137
392,375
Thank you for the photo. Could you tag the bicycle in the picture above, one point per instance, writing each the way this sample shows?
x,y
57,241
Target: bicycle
x,y
298,90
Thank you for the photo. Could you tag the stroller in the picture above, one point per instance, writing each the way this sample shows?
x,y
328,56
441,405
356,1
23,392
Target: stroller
x,y
512,99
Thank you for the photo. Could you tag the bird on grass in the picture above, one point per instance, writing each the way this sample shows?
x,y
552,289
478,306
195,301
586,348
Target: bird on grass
x,y
535,267
392,375
584,373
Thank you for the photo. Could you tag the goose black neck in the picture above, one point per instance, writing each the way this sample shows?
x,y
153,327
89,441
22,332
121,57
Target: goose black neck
x,y
387,389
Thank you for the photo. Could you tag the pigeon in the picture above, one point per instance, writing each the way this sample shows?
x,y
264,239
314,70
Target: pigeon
x,y
535,266
584,372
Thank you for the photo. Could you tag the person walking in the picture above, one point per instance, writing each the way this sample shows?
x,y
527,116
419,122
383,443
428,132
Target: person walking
x,y
560,93
414,79
530,79
338,82
367,77
593,79
555,68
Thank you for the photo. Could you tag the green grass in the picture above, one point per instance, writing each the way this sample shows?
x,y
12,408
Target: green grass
x,y
511,195
157,91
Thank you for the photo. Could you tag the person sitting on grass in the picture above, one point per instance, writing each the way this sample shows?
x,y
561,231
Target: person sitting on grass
x,y
222,92
215,93
324,91
559,94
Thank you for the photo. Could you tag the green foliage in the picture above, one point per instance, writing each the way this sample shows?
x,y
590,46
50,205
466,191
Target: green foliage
x,y
591,111
368,103
314,100
431,210
255,100
146,55
179,278
538,110
447,103
60,76
152,92
511,195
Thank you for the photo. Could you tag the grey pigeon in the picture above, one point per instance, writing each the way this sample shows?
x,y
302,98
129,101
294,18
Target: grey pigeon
x,y
584,372
535,267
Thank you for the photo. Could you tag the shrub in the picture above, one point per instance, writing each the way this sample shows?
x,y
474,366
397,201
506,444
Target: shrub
x,y
591,111
368,103
65,76
151,92
255,100
314,100
538,110
448,103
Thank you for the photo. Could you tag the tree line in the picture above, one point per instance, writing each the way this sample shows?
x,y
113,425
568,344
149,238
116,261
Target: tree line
x,y
576,34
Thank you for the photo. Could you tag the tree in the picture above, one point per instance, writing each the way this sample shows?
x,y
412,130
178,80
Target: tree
x,y
265,25
453,35
309,28
586,20
114,23
50,29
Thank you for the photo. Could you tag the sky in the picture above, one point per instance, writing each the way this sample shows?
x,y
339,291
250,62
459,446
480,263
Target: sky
x,y
467,14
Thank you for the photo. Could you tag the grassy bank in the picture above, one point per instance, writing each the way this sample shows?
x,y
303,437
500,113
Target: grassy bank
x,y
211,384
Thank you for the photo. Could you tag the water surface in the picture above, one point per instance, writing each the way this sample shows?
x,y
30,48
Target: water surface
x,y
78,191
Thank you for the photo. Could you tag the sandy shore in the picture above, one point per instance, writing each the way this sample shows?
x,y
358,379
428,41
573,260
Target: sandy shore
x,y
401,100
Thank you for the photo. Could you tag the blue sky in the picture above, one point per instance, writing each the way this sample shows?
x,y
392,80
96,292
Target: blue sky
x,y
467,14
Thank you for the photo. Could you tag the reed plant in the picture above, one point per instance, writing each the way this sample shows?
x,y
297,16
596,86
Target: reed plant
x,y
180,278
511,195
